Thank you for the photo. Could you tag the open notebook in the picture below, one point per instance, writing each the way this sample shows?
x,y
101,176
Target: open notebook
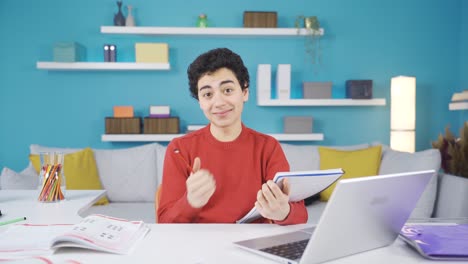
x,y
96,232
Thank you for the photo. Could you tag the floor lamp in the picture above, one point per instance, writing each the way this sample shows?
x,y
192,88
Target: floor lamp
x,y
403,113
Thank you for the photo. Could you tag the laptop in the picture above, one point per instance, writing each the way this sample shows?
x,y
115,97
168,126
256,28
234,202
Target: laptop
x,y
361,214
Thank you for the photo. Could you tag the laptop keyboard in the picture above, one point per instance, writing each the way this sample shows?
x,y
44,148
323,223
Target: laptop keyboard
x,y
291,250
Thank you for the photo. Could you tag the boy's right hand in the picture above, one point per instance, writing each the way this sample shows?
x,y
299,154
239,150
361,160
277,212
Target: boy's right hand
x,y
200,185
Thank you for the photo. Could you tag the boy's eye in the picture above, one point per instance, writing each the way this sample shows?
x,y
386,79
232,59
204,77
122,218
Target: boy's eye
x,y
206,94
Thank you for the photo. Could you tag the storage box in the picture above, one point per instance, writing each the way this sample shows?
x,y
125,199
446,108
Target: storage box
x,y
167,125
123,125
69,52
297,124
317,90
152,52
359,89
254,19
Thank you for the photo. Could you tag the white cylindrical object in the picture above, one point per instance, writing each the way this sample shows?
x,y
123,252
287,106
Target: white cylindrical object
x,y
402,141
403,103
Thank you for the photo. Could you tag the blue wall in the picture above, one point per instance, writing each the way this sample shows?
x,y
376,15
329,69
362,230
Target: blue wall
x,y
367,39
463,115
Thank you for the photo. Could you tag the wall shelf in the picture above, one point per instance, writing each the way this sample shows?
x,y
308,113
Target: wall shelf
x,y
109,66
213,31
323,102
169,137
458,106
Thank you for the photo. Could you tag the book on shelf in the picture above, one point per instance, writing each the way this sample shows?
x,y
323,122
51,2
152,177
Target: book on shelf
x,y
95,232
438,241
303,184
462,96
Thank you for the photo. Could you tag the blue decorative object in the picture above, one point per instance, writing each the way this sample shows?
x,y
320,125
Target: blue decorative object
x,y
119,19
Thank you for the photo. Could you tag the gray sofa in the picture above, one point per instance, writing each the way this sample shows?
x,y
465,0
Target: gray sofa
x,y
131,176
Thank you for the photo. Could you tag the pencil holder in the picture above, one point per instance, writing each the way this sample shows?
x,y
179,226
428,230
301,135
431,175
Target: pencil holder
x,y
51,177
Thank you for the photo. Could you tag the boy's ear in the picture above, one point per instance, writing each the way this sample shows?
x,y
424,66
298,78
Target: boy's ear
x,y
246,94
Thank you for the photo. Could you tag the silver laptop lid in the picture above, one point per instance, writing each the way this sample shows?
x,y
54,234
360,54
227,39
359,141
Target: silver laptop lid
x,y
365,213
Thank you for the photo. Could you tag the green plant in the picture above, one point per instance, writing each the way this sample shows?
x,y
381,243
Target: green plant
x,y
311,25
454,151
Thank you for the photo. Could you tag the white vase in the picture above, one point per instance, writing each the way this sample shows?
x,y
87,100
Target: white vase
x,y
452,201
130,21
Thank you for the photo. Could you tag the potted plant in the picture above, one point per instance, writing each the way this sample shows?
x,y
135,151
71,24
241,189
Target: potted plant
x,y
454,180
311,25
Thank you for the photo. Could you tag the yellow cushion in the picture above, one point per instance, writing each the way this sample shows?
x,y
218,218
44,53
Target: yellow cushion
x,y
80,171
356,163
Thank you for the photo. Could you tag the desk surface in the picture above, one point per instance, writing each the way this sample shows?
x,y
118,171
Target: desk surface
x,y
23,203
176,243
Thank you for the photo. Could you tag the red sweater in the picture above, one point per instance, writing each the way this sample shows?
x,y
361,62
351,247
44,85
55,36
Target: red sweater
x,y
239,167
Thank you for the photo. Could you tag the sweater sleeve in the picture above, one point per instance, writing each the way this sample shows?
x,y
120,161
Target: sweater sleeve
x,y
173,205
278,162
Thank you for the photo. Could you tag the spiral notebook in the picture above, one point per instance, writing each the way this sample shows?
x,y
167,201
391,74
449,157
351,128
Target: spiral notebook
x,y
303,184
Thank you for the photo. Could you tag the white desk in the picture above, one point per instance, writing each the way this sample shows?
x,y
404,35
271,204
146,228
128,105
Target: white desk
x,y
177,243
20,203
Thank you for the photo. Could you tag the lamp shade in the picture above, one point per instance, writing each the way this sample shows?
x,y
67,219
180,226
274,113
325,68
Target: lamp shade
x,y
403,113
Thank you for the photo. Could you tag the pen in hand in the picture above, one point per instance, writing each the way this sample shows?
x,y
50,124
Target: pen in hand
x,y
177,151
12,221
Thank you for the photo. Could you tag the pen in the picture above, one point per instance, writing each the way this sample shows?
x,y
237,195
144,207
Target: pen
x,y
12,221
177,151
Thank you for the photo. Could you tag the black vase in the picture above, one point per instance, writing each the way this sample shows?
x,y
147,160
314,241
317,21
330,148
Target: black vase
x,y
119,19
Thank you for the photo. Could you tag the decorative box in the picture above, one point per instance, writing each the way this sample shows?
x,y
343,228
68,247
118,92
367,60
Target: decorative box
x,y
359,89
69,52
123,111
152,52
317,90
297,124
259,19
122,125
164,125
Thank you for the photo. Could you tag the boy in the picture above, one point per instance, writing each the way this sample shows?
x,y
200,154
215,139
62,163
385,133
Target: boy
x,y
216,174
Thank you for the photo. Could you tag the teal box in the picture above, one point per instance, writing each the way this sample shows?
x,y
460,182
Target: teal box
x,y
69,52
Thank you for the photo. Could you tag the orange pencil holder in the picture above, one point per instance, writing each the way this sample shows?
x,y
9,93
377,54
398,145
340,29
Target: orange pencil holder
x,y
51,177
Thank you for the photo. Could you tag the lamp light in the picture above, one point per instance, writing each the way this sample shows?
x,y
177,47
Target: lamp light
x,y
403,113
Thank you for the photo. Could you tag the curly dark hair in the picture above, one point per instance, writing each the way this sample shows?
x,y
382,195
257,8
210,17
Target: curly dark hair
x,y
212,61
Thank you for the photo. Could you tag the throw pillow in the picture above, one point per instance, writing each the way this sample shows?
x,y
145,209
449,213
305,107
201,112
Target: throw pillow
x,y
130,174
12,180
295,155
397,162
356,163
80,171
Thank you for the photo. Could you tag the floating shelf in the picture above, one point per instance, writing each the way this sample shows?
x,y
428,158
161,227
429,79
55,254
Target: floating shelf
x,y
109,66
214,31
323,102
458,106
169,137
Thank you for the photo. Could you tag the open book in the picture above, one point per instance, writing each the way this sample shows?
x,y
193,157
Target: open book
x,y
96,232
303,184
438,241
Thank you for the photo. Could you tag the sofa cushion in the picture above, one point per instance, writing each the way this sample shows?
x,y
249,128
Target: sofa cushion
x,y
397,162
356,163
24,180
127,174
80,171
139,211
306,157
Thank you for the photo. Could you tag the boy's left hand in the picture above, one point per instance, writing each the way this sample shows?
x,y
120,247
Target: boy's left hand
x,y
272,202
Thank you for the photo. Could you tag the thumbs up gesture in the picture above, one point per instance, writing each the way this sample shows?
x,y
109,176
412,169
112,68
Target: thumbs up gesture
x,y
201,185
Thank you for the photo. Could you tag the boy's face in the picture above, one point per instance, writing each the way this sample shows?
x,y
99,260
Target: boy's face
x,y
221,98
